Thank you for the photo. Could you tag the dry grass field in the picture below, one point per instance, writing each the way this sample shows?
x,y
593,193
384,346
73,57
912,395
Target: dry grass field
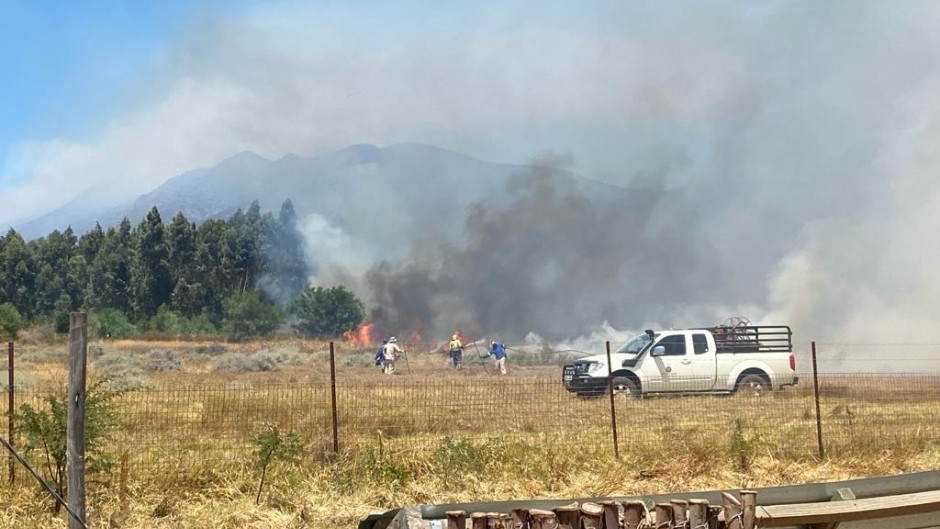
x,y
185,457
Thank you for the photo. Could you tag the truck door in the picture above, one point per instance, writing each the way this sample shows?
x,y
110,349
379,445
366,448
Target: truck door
x,y
674,369
704,362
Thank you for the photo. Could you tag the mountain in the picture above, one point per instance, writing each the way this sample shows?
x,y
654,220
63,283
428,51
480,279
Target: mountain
x,y
385,197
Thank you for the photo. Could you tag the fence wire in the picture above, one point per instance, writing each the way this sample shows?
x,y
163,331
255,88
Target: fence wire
x,y
211,423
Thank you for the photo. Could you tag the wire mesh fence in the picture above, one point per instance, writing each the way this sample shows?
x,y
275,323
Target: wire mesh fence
x,y
188,422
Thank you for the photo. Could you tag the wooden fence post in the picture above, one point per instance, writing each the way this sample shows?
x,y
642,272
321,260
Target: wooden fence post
x,y
680,517
592,516
698,513
611,514
456,520
539,519
478,520
569,516
75,430
664,516
749,506
519,518
733,511
714,511
635,514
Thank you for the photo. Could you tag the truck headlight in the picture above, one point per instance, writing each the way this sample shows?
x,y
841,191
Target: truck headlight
x,y
594,367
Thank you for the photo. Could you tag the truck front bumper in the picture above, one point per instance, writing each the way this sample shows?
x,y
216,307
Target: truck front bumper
x,y
583,384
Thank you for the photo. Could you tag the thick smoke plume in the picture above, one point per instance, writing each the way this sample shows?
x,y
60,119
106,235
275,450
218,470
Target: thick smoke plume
x,y
548,259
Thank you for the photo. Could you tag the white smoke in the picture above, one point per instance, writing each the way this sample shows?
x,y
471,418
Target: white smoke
x,y
334,257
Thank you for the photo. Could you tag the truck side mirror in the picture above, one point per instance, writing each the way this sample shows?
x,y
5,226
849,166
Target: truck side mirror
x,y
658,351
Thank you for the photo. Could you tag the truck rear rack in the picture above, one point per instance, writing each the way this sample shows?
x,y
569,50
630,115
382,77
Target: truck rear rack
x,y
752,338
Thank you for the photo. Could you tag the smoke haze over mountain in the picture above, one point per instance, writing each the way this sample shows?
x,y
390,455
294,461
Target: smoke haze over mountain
x,y
781,156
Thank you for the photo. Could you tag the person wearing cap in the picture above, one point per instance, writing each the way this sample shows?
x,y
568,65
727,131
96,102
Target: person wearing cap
x,y
498,352
456,351
390,353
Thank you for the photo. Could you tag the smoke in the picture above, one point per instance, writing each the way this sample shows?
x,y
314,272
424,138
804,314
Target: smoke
x,y
545,258
333,256
780,157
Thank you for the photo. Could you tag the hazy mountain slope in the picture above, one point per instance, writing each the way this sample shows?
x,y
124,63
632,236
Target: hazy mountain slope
x,y
385,197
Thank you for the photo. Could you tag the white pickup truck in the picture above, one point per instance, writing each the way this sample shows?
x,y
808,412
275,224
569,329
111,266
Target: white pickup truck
x,y
719,359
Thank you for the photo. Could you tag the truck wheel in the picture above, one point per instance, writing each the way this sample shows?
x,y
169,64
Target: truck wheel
x,y
752,384
625,386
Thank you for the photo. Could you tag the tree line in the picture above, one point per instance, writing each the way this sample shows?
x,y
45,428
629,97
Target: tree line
x,y
244,276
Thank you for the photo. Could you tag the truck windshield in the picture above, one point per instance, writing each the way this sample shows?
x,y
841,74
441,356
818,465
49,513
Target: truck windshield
x,y
635,345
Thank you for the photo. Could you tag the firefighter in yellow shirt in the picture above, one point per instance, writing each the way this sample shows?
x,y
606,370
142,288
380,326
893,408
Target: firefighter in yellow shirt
x,y
456,351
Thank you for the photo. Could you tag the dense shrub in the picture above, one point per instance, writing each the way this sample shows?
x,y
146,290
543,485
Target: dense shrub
x,y
325,312
248,315
110,323
10,322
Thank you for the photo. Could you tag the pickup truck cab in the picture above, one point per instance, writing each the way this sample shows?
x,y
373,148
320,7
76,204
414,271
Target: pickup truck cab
x,y
708,360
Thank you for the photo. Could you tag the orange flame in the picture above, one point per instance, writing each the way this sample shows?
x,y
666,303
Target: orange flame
x,y
415,334
361,336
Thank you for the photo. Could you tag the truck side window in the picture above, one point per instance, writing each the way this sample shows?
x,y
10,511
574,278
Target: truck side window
x,y
700,343
674,345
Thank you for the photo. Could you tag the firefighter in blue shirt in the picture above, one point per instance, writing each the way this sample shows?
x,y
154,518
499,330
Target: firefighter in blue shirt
x,y
498,352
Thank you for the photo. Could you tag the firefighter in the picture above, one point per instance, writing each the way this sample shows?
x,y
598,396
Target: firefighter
x,y
456,351
389,354
498,352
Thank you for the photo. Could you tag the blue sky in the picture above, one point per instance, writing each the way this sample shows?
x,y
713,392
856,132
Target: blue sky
x,y
68,67
110,99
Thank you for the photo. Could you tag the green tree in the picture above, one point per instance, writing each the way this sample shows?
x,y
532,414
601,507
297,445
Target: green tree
x,y
248,315
10,322
17,274
285,267
61,309
326,311
109,282
150,275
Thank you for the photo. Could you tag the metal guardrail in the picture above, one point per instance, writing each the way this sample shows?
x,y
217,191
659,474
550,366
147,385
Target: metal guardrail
x,y
411,517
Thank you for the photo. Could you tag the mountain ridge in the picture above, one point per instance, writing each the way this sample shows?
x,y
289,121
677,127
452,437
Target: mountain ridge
x,y
383,196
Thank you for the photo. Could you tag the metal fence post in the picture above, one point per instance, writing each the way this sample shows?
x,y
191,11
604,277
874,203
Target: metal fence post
x,y
11,406
613,409
819,437
333,399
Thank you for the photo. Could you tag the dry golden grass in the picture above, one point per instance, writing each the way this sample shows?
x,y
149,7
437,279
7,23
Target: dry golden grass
x,y
433,435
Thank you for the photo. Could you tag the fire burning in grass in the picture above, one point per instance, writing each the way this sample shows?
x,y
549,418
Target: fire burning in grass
x,y
361,336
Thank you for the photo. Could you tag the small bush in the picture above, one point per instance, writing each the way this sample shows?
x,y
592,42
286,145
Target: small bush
x,y
739,446
121,368
162,361
44,429
463,456
264,360
376,467
212,350
272,445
